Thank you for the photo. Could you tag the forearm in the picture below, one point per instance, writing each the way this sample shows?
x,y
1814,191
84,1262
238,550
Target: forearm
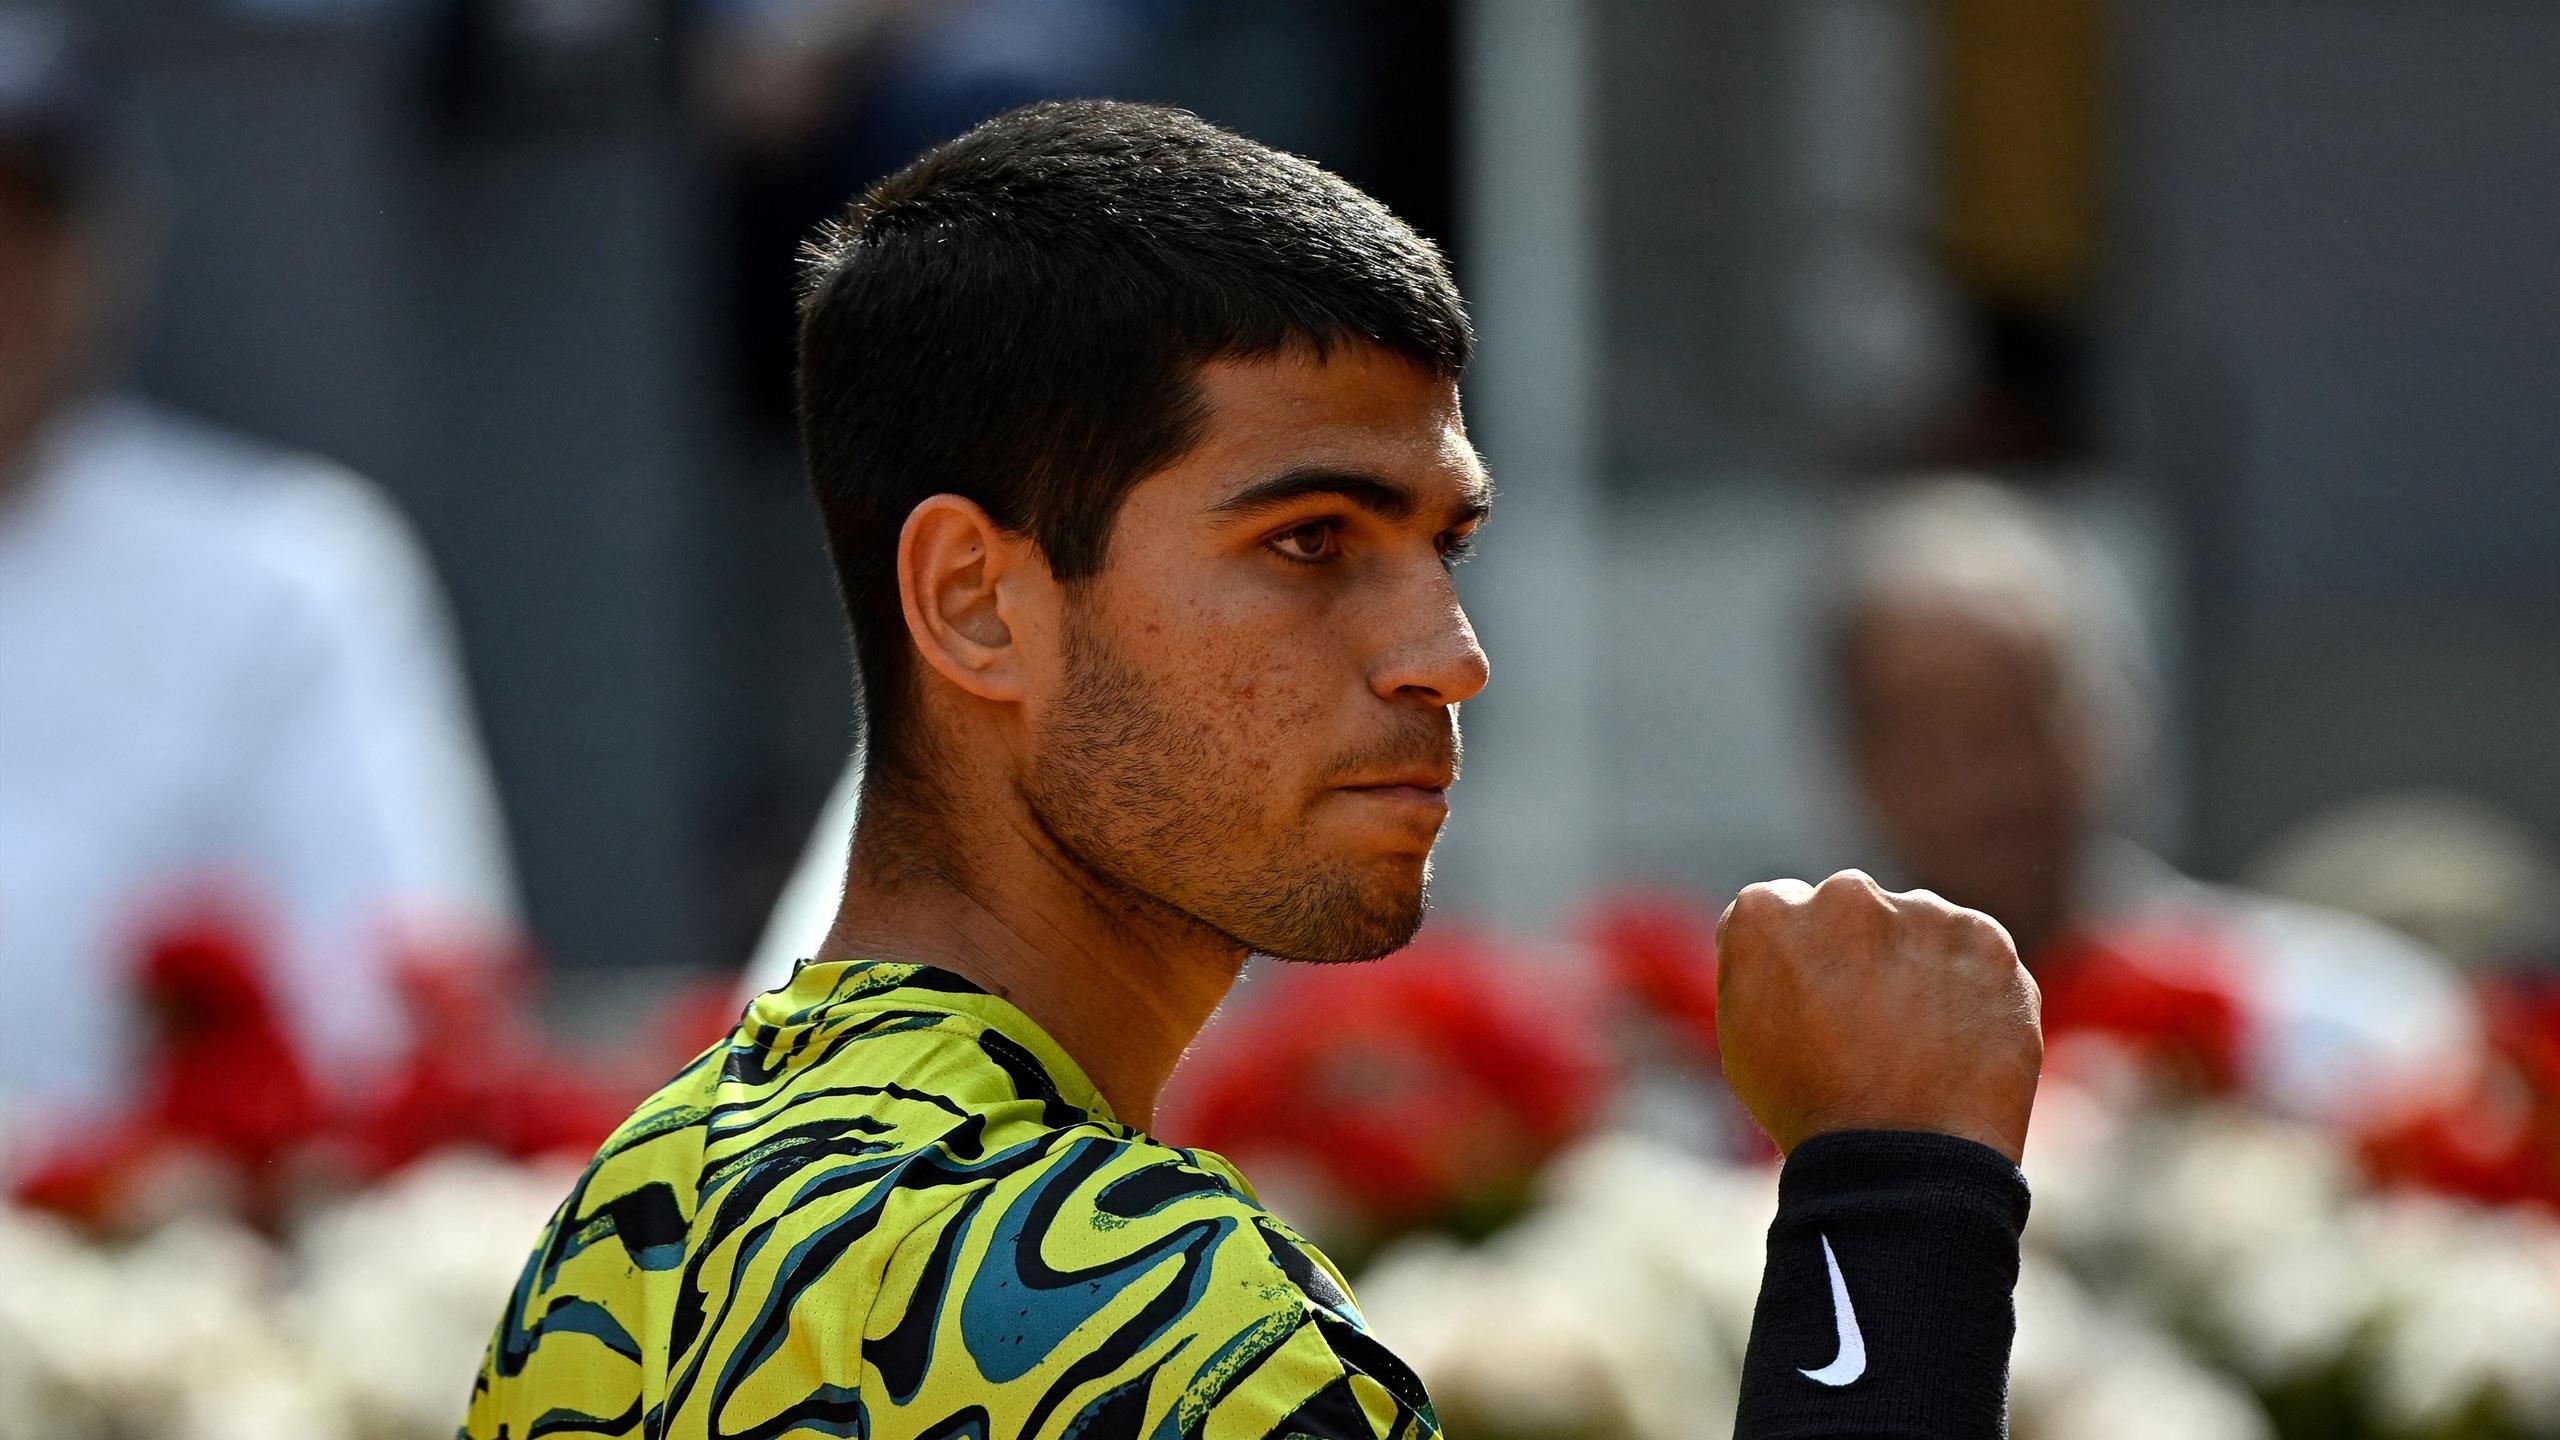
x,y
1885,1309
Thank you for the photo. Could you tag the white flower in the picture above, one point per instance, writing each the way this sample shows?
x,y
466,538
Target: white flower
x,y
54,1286
1607,1310
2058,1329
2075,1167
2136,1385
1701,1227
2473,1305
403,1286
2295,1305
2082,1370
171,1337
2217,1187
1490,1338
278,1397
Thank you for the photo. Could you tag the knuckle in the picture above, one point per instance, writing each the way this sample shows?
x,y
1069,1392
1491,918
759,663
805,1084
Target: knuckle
x,y
1966,922
1767,897
1988,935
1849,886
1742,918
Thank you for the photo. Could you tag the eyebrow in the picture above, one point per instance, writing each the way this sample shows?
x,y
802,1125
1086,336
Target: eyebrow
x,y
1374,493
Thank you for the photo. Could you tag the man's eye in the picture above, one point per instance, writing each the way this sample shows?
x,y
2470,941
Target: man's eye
x,y
1309,543
1454,549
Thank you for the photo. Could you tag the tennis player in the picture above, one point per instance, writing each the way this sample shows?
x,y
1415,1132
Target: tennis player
x,y
1141,461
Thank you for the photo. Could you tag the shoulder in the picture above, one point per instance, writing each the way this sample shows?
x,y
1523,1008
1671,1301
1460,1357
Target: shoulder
x,y
1128,1286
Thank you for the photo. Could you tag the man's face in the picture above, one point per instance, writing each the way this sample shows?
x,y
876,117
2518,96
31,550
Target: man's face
x,y
1251,714
1971,757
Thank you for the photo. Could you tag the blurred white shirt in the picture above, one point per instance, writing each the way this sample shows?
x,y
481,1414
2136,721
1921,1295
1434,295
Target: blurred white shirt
x,y
807,909
220,663
2346,1014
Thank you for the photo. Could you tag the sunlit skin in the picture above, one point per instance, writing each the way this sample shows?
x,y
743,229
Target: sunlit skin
x,y
1236,737
1972,757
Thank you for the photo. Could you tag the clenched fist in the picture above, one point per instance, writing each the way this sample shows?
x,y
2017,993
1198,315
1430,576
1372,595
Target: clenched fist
x,y
1845,1006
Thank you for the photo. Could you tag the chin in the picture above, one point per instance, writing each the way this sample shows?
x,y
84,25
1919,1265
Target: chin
x,y
1352,915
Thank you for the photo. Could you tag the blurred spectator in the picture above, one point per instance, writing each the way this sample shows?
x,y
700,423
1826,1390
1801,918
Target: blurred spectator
x,y
1997,686
228,668
2480,888
2445,870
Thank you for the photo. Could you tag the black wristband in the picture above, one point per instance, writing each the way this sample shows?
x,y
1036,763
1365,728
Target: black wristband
x,y
1886,1306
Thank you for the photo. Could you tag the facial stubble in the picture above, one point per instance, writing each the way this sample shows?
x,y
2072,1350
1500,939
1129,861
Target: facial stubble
x,y
1144,801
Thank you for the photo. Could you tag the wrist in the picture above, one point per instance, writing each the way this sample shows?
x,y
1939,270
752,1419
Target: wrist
x,y
1915,1161
2011,1146
1886,1300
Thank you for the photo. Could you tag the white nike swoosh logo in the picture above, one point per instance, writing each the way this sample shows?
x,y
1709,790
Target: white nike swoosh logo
x,y
1852,1360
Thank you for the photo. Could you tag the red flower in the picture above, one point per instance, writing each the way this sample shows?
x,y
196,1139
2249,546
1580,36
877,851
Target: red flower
x,y
222,1081
479,1073
1659,950
1419,1087
2497,1139
2167,994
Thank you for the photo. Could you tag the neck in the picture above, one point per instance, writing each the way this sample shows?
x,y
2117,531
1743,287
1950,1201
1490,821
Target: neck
x,y
1119,981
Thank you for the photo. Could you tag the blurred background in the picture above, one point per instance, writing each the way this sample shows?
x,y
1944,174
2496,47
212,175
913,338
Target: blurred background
x,y
2095,459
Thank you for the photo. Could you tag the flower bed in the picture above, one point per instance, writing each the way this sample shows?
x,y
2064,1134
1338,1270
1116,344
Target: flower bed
x,y
364,1324
2194,1272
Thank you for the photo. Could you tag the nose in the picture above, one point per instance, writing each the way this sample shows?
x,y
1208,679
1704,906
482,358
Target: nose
x,y
1437,659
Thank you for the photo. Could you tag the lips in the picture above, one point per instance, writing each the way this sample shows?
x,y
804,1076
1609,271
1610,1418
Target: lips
x,y
1423,802
1416,766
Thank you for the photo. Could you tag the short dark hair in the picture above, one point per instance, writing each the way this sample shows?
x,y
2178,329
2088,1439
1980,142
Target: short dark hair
x,y
1019,316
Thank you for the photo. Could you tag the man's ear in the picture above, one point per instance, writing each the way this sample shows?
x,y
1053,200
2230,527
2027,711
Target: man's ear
x,y
960,580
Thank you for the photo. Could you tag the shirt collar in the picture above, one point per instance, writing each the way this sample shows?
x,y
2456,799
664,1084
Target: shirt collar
x,y
830,987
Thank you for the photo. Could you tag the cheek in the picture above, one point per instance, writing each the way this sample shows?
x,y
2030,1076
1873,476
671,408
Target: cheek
x,y
1265,716
1257,692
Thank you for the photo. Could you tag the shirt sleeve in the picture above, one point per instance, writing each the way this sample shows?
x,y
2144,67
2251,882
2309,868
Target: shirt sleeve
x,y
1327,1379
1886,1309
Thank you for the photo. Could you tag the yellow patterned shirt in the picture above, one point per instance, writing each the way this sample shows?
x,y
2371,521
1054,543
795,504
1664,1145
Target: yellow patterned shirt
x,y
889,1206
